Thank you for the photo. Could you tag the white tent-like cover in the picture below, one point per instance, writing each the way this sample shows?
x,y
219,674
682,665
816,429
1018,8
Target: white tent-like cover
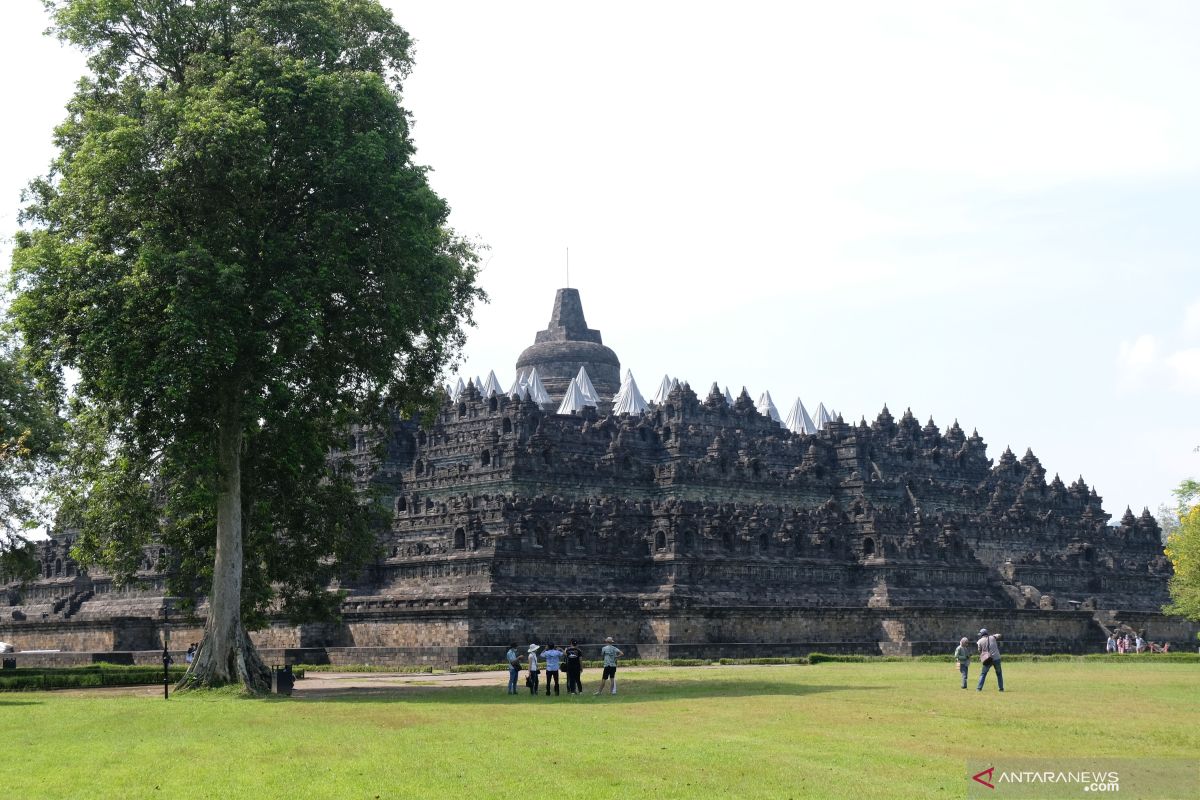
x,y
728,398
537,390
798,420
664,389
518,388
767,408
491,387
621,391
823,417
629,400
459,388
574,399
585,386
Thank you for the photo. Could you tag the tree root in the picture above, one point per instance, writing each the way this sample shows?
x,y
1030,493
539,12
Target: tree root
x,y
221,664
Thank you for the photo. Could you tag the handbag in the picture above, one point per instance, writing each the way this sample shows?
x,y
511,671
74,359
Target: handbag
x,y
985,657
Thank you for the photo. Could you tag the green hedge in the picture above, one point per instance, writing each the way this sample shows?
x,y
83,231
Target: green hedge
x,y
36,680
359,668
1182,657
1177,658
855,658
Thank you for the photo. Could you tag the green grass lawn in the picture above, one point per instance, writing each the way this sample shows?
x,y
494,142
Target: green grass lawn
x,y
831,731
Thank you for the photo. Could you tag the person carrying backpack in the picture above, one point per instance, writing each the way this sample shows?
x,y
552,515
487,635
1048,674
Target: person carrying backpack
x,y
514,667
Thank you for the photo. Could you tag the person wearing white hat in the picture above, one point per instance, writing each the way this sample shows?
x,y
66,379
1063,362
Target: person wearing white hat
x,y
989,657
534,671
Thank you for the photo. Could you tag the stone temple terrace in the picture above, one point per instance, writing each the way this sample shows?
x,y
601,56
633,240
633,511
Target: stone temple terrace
x,y
687,525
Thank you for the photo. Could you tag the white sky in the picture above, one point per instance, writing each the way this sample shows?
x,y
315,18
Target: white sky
x,y
984,211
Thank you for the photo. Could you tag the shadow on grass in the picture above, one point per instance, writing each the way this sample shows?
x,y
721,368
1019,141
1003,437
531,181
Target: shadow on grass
x,y
4,701
630,692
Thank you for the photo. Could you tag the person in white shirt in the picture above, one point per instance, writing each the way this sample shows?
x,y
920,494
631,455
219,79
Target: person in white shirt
x,y
533,670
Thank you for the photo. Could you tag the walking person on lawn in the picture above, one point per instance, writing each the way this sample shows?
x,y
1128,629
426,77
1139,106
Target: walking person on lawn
x,y
989,657
963,656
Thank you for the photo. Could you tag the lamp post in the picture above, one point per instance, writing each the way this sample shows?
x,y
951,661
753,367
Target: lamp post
x,y
166,655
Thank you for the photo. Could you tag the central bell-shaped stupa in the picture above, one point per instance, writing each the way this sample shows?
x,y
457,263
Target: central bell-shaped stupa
x,y
568,344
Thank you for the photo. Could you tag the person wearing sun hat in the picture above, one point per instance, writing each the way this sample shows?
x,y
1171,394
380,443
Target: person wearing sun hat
x,y
534,670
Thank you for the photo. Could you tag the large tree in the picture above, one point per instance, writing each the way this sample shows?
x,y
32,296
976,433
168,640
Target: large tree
x,y
238,255
1183,549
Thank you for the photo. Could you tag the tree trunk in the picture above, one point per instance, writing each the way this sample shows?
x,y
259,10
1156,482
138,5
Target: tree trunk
x,y
226,654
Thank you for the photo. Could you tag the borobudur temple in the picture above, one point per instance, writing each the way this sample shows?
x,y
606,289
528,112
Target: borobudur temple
x,y
690,525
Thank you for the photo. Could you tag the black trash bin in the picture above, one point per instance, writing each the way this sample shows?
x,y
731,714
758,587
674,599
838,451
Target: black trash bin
x,y
10,663
282,680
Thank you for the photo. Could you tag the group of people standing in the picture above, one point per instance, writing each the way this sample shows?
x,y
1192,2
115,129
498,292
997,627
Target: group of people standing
x,y
1133,643
569,660
1125,644
988,648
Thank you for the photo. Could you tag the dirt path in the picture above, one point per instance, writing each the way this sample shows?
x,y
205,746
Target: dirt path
x,y
328,684
317,685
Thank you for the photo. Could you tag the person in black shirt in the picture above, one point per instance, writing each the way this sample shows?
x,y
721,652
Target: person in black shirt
x,y
573,666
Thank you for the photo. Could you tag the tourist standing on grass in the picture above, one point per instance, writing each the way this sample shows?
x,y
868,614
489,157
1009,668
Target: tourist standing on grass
x,y
191,654
1111,645
1139,644
989,657
553,658
610,653
573,666
514,667
963,656
532,680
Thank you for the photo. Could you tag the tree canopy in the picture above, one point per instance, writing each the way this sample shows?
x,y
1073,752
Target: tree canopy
x,y
1183,550
29,431
237,252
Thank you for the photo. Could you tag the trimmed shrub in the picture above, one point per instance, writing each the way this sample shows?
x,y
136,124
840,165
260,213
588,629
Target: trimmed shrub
x,y
44,679
819,658
361,668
